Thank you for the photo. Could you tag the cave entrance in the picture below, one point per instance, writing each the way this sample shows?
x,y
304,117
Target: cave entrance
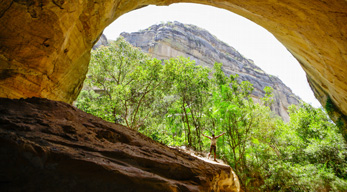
x,y
250,39
302,28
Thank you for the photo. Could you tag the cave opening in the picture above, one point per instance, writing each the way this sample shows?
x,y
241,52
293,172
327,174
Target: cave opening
x,y
250,39
253,42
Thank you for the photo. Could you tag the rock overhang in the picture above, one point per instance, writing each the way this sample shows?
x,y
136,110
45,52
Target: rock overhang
x,y
45,46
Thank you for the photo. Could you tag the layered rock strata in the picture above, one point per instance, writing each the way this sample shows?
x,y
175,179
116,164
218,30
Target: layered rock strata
x,y
52,146
45,45
173,39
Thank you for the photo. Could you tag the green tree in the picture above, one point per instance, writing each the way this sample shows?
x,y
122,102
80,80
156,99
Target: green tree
x,y
190,86
246,123
123,81
313,155
233,108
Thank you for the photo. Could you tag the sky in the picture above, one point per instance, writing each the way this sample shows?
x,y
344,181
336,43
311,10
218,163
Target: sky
x,y
251,40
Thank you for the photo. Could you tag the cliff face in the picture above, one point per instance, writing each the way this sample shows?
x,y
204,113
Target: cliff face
x,y
174,39
52,146
101,42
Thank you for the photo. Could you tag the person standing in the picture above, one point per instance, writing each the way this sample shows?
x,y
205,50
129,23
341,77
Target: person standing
x,y
213,144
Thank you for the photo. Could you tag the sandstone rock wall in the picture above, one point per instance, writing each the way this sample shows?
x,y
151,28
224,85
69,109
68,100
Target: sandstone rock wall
x,y
52,146
173,39
45,45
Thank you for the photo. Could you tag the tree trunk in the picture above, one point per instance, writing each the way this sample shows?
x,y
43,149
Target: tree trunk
x,y
188,127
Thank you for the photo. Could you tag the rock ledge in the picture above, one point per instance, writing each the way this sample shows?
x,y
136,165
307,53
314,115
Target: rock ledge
x,y
52,146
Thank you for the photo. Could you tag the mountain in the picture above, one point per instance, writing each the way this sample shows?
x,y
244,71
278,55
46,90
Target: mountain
x,y
173,39
102,41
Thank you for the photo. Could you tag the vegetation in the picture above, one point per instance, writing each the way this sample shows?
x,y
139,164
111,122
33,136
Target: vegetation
x,y
175,101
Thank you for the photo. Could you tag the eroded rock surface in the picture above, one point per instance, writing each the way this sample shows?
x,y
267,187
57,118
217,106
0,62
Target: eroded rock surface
x,y
52,146
173,39
45,45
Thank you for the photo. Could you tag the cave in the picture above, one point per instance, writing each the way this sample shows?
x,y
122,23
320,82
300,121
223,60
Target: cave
x,y
45,51
45,45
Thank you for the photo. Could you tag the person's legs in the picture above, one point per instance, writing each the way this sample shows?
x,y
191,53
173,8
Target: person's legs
x,y
210,152
215,149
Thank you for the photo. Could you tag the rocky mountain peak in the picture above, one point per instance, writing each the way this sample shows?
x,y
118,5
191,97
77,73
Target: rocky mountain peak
x,y
173,39
196,37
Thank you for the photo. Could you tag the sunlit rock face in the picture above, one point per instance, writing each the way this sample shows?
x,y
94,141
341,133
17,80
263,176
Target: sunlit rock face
x,y
45,45
174,39
48,145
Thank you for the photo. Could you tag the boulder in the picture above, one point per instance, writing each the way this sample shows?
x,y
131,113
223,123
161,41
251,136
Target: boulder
x,y
52,146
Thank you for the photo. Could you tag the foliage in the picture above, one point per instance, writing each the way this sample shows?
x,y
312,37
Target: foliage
x,y
312,154
175,101
123,81
190,86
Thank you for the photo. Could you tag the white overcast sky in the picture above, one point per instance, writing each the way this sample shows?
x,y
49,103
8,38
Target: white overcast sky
x,y
250,39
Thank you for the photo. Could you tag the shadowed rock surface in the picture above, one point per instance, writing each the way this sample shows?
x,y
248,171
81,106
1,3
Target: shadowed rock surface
x,y
173,39
52,146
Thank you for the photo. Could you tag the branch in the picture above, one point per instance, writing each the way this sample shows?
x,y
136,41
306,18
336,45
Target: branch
x,y
126,113
139,103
